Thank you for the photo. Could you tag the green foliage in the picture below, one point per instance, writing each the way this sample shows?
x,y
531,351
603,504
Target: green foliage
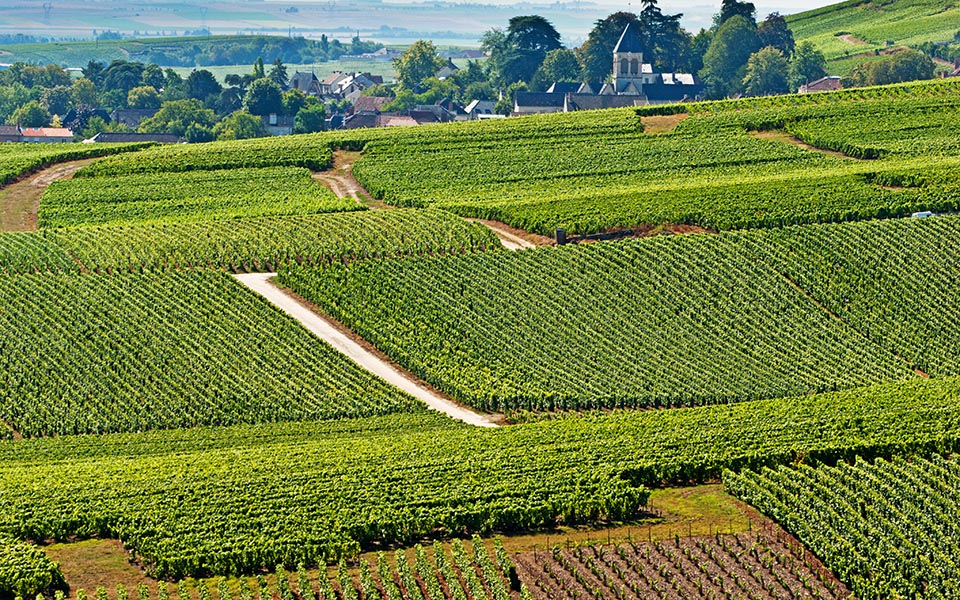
x,y
29,252
263,97
678,331
724,64
808,64
25,570
284,151
176,116
558,65
310,119
767,73
262,244
17,160
908,65
421,474
889,529
139,352
31,114
143,97
190,196
239,126
417,63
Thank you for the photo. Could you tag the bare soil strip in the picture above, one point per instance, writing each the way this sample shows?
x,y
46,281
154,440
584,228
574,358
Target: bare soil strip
x,y
327,330
343,184
780,136
20,201
513,238
851,39
662,123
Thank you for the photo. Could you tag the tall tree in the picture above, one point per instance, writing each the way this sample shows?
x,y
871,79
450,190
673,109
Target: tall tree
x,y
143,96
30,114
734,8
767,73
775,32
278,74
559,65
529,38
808,64
263,97
202,84
176,116
725,63
418,63
597,52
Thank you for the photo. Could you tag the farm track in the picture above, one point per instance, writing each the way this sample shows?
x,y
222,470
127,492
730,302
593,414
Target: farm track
x,y
343,184
786,138
366,358
20,201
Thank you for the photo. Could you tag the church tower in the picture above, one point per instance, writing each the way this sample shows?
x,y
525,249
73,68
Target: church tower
x,y
628,63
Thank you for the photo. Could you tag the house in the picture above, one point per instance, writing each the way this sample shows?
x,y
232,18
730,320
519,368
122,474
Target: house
x,y
480,108
431,113
306,83
371,104
45,135
530,103
328,85
830,83
278,124
9,133
564,87
125,138
447,70
132,117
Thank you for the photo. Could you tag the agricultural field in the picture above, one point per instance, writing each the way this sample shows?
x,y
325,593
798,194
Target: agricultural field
x,y
191,196
85,354
712,171
219,501
17,160
761,564
862,26
887,527
689,320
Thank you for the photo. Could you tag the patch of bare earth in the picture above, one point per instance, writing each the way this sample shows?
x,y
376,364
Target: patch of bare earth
x,y
851,39
513,238
91,563
662,123
20,201
343,184
764,563
786,138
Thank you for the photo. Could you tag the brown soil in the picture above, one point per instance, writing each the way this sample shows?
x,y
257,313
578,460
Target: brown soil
x,y
93,563
20,201
780,136
16,434
343,184
764,563
514,238
850,39
662,123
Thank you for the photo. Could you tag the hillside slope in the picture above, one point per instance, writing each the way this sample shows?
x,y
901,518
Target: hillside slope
x,y
857,27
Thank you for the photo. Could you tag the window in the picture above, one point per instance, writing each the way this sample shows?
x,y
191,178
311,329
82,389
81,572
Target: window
x,y
623,66
634,67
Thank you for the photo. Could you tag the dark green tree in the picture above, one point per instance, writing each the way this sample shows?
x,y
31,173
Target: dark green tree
x,y
418,63
808,64
768,72
559,65
202,84
310,119
263,97
529,39
734,8
30,114
278,74
775,32
725,63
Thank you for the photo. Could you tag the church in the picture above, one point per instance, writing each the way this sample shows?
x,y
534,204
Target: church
x,y
634,83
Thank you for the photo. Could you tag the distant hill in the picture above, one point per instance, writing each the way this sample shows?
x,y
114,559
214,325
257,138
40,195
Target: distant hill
x,y
849,32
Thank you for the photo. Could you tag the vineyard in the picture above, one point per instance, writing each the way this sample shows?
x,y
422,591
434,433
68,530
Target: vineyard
x,y
17,160
244,245
234,499
685,320
762,564
191,196
710,172
890,528
85,354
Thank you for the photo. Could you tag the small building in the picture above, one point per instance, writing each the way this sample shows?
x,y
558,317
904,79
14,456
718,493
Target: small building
x,y
371,104
480,108
132,117
278,124
447,70
531,103
328,85
45,135
830,83
306,83
9,133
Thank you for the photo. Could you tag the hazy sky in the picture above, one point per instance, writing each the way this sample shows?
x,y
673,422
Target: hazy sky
x,y
697,13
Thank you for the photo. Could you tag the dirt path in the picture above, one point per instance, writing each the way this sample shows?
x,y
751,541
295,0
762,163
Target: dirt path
x,y
343,184
786,138
513,238
328,332
20,201
851,39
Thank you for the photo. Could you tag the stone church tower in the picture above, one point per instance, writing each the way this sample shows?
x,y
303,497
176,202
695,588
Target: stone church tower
x,y
628,67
